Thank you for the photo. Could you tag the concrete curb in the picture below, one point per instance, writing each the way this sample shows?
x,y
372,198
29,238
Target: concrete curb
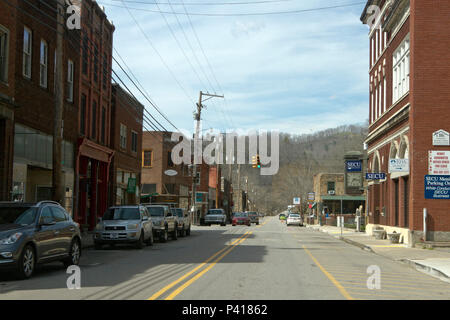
x,y
357,244
426,269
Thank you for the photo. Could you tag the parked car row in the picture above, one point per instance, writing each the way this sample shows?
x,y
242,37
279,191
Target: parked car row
x,y
42,232
141,224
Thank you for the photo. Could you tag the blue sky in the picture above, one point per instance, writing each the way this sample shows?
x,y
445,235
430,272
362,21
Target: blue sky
x,y
297,73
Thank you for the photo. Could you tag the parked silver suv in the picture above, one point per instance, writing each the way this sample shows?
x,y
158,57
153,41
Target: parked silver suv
x,y
124,224
164,222
183,221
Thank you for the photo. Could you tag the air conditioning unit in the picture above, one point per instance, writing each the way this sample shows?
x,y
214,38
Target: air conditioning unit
x,y
332,192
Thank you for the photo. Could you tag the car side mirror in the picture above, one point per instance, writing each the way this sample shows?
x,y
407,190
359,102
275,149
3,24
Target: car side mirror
x,y
47,221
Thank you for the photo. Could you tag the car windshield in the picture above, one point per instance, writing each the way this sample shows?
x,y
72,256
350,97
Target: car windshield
x,y
294,216
18,215
156,211
214,211
241,214
122,214
179,212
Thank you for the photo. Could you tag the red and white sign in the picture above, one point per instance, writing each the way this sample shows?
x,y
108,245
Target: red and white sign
x,y
439,163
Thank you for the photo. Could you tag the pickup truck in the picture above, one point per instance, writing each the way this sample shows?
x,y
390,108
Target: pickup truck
x,y
164,223
183,221
216,216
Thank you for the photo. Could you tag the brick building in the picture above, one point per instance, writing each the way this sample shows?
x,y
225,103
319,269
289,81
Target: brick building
x,y
126,140
157,186
330,196
8,39
94,150
31,43
409,101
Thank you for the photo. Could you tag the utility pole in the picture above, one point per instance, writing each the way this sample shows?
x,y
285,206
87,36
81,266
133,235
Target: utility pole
x,y
198,154
57,190
239,189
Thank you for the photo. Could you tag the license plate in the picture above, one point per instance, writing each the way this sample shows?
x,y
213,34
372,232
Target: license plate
x,y
114,235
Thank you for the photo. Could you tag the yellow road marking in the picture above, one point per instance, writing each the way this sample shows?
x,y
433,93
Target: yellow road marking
x,y
200,274
386,274
170,285
383,285
332,279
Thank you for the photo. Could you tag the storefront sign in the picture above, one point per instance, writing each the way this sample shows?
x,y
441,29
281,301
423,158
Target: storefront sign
x,y
375,176
439,163
437,187
353,165
398,165
311,196
441,138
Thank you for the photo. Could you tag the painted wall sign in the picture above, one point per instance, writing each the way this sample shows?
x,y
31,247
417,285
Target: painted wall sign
x,y
441,138
439,163
398,165
437,187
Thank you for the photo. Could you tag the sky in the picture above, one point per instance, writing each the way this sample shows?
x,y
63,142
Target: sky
x,y
297,73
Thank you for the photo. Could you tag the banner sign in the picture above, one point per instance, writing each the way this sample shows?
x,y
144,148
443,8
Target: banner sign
x,y
375,176
437,187
311,196
353,165
398,165
131,187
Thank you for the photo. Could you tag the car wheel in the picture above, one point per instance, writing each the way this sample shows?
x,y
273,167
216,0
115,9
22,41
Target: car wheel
x,y
140,243
175,233
27,262
188,231
183,232
74,254
149,242
257,223
164,236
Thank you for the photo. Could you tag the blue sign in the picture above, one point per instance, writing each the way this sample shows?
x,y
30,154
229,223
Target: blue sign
x,y
437,187
353,165
375,176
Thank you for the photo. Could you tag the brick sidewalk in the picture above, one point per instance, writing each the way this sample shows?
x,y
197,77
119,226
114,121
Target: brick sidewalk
x,y
435,262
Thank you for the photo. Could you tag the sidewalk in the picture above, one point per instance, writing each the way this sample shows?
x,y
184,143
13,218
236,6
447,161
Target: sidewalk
x,y
435,262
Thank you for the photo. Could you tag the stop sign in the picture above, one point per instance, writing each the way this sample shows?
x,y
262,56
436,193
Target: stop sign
x,y
310,206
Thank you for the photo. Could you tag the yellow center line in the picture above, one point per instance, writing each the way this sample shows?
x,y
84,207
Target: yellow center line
x,y
200,274
332,279
170,285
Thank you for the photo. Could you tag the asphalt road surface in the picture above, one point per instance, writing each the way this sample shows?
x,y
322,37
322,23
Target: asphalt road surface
x,y
269,261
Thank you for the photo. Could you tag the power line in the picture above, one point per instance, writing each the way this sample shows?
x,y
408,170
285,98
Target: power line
x,y
206,3
160,56
242,14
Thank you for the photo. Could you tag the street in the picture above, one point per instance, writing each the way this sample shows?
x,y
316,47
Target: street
x,y
269,261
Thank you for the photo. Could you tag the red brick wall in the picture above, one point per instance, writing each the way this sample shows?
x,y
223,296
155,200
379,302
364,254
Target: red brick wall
x,y
430,97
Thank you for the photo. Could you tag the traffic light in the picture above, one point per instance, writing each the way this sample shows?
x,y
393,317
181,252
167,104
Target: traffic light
x,y
256,163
